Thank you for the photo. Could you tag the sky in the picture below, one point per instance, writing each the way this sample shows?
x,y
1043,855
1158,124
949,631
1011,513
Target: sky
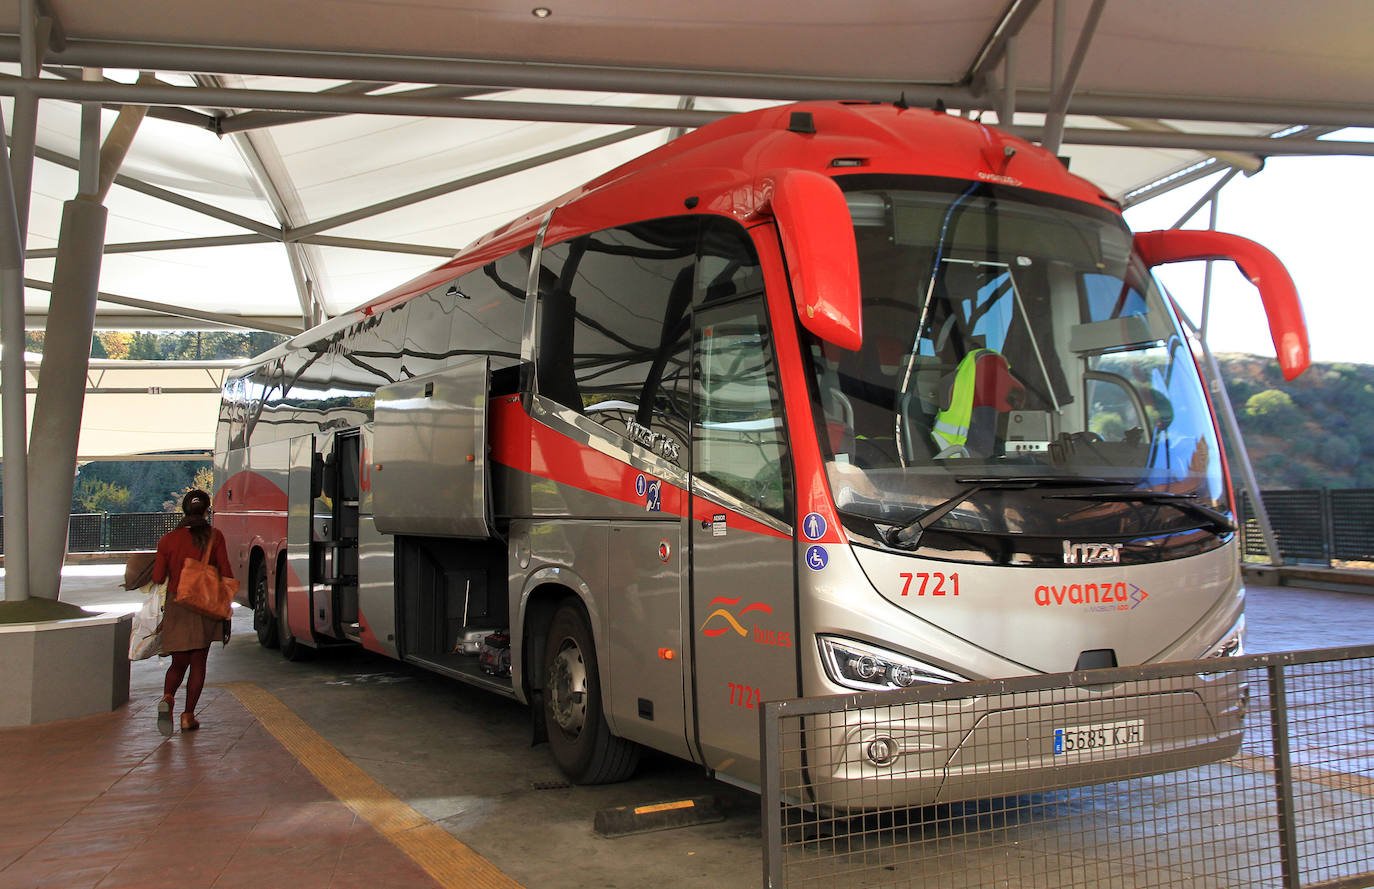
x,y
1315,215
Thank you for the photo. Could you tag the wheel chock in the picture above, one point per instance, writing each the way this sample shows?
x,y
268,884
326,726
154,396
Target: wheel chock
x,y
625,820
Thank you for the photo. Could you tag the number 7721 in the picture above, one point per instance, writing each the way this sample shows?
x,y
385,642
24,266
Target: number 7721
x,y
944,584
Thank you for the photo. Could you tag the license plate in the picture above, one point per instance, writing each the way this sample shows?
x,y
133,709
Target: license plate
x,y
1109,737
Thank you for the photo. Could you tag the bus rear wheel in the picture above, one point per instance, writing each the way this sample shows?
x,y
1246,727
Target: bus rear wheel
x,y
582,743
291,648
264,621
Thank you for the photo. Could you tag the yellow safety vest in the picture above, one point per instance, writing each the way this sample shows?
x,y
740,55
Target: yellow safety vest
x,y
951,424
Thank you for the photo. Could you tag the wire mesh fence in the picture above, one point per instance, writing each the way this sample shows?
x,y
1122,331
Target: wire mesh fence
x,y
138,530
1226,773
117,532
1315,525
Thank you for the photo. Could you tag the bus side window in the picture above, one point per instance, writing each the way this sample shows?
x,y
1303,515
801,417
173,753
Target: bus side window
x,y
614,330
738,439
739,443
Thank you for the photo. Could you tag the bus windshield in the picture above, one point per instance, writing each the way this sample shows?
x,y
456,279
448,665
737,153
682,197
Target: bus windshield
x,y
1011,334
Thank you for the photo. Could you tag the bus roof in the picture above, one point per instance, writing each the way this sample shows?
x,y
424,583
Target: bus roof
x,y
724,167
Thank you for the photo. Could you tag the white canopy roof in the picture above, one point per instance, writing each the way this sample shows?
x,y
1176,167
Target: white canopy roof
x,y
470,114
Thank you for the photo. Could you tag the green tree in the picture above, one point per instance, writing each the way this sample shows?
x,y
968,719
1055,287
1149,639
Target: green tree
x,y
99,496
204,479
1272,411
143,346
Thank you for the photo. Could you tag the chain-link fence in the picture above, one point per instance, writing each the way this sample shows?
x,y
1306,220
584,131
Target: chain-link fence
x,y
1250,771
99,532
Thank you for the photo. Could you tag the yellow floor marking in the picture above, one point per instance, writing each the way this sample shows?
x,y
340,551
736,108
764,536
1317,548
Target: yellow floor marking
x,y
1309,774
453,864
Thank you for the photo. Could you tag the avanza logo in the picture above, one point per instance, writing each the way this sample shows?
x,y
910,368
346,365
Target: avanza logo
x,y
761,636
1111,596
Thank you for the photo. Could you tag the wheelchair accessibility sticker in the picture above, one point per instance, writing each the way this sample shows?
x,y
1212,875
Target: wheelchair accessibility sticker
x,y
817,558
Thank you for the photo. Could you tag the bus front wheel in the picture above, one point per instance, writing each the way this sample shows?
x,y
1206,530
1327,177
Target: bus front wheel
x,y
582,743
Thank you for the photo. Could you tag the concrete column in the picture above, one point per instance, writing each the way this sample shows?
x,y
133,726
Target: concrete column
x,y
62,388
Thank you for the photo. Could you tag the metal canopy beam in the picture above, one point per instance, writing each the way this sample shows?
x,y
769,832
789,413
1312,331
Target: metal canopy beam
x,y
995,46
1240,159
1098,105
353,66
1208,142
170,197
234,321
171,244
390,104
463,72
383,246
253,120
1207,167
105,319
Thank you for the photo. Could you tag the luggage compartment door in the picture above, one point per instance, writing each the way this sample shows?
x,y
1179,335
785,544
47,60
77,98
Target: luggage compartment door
x,y
429,473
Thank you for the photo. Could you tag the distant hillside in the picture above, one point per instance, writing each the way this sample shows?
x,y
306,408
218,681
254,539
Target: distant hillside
x,y
1316,431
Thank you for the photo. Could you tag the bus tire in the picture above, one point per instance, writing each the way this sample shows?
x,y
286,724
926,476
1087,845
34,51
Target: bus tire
x,y
291,648
264,621
582,743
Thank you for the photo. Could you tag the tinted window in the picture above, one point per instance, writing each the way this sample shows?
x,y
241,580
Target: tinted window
x,y
739,443
614,330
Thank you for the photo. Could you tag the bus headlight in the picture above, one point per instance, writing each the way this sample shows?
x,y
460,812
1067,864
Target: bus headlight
x,y
1231,644
865,667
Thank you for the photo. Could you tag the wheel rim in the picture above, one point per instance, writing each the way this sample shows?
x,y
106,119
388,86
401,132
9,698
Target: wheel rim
x,y
260,613
567,688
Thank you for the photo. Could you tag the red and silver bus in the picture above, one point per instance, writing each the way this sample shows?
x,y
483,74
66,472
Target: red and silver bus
x,y
815,399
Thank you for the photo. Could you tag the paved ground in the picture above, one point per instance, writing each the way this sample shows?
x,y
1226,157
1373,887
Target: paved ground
x,y
418,743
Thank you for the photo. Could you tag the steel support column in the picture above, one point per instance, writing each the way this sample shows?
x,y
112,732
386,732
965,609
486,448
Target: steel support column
x,y
67,347
1006,108
32,44
1221,398
1241,458
57,406
14,409
1065,80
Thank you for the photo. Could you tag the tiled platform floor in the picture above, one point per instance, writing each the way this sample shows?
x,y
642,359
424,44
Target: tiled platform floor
x,y
106,801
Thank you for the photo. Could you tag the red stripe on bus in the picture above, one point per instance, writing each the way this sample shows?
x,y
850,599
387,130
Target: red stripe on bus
x,y
524,444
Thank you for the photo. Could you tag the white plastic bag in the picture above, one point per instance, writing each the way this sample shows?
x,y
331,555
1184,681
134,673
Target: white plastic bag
x,y
145,639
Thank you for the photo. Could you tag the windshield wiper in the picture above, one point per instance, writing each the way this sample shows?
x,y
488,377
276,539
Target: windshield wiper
x,y
1216,521
908,535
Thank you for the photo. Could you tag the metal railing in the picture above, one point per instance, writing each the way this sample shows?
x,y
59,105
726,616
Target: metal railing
x,y
117,532
1314,525
1226,773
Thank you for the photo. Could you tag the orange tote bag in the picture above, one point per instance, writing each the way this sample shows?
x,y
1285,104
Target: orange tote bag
x,y
202,590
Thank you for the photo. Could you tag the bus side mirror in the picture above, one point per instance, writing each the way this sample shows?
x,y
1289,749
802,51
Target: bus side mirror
x,y
1280,297
822,258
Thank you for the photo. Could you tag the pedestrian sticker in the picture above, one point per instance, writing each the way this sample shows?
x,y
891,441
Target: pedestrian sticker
x,y
641,485
817,558
813,526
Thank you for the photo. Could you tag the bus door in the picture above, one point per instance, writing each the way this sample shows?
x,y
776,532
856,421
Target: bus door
x,y
743,601
303,485
334,543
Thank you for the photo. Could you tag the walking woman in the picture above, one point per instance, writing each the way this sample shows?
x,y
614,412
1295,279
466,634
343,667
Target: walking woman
x,y
187,635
